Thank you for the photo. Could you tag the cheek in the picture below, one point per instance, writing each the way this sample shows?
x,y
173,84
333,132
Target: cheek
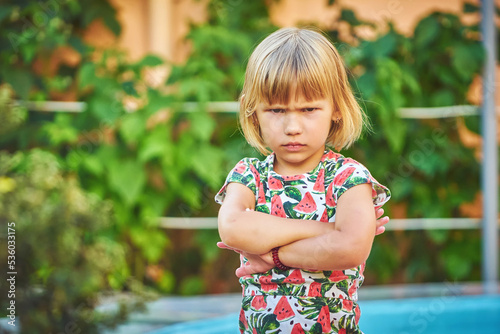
x,y
319,125
269,125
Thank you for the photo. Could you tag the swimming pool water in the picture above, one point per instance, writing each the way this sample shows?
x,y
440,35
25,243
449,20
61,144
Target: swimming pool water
x,y
436,315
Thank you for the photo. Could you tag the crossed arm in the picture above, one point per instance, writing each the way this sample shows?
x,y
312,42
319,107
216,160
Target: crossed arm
x,y
304,244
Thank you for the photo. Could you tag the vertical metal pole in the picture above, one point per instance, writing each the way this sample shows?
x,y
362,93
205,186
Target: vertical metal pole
x,y
489,177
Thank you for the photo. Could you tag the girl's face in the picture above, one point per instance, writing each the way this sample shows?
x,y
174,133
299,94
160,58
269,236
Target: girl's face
x,y
296,132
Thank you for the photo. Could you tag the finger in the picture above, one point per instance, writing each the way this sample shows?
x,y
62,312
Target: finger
x,y
224,246
379,212
382,221
241,271
380,230
220,244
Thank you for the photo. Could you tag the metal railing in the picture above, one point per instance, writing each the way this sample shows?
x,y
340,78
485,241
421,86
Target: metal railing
x,y
489,184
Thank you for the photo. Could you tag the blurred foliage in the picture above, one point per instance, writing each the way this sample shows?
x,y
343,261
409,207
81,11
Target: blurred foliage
x,y
424,162
136,148
133,147
63,256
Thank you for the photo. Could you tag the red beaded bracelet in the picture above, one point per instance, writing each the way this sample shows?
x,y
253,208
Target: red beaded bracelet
x,y
276,260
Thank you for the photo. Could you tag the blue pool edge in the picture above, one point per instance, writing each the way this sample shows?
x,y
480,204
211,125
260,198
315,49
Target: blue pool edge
x,y
447,313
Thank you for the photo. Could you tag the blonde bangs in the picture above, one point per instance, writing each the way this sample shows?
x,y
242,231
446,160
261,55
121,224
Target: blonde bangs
x,y
290,70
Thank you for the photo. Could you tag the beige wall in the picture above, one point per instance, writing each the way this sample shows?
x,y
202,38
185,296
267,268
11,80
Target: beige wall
x,y
159,26
404,13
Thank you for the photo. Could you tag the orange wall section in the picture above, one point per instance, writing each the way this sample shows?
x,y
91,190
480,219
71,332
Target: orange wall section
x,y
141,35
404,13
157,26
133,16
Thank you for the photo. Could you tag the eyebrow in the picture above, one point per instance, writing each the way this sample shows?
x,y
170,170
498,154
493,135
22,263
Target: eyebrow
x,y
301,106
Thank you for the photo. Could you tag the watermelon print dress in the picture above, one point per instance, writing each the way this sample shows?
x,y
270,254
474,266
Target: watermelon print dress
x,y
299,300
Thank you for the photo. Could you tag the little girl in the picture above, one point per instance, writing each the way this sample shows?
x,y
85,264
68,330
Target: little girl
x,y
300,276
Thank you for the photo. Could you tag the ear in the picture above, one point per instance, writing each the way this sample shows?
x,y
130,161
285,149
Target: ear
x,y
336,116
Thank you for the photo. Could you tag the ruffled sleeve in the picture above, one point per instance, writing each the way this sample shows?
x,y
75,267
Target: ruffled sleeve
x,y
351,174
245,173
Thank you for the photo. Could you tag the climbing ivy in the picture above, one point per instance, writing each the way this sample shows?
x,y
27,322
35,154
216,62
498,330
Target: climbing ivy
x,y
136,147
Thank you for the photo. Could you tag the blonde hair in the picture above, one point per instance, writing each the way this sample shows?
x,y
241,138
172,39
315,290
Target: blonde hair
x,y
307,61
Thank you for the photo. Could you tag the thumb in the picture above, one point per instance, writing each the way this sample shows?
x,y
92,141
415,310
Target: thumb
x,y
240,272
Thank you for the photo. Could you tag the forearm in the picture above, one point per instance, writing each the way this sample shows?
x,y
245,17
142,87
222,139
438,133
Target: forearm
x,y
257,232
330,251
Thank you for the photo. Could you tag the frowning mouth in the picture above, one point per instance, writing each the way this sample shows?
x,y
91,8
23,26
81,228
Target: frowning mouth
x,y
294,146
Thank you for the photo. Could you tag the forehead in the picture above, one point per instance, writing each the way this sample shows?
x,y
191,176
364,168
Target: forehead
x,y
296,98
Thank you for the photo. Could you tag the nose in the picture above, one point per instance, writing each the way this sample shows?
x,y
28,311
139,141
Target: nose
x,y
292,124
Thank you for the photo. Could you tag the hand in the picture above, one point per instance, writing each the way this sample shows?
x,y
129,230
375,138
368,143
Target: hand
x,y
380,221
255,264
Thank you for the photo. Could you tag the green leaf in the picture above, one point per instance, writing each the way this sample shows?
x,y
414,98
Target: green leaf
x,y
132,128
202,125
367,84
457,265
127,178
349,16
192,285
385,45
410,81
157,101
151,242
93,164
129,89
293,193
28,52
470,8
97,9
207,162
60,131
149,61
206,239
21,80
426,31
269,322
443,97
464,60
86,75
155,145
104,108
438,236
190,193
77,44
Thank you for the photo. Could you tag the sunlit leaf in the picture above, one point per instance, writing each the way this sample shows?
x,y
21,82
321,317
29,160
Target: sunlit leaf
x,y
127,178
132,128
426,31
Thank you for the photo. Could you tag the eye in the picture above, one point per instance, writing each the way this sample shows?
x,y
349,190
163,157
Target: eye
x,y
277,111
309,109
